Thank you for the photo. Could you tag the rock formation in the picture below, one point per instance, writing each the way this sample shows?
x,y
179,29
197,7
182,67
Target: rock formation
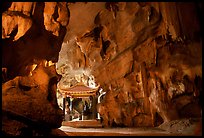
x,y
32,32
137,53
29,103
32,35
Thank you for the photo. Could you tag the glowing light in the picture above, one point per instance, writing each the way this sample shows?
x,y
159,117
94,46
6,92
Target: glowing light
x,y
50,63
32,68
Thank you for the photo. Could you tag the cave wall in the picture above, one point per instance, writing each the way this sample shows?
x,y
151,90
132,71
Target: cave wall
x,y
142,54
32,35
32,32
147,56
156,66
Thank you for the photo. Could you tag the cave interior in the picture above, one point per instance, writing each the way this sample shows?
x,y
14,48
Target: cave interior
x,y
118,64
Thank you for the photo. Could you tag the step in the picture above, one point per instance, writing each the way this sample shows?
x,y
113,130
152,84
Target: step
x,y
83,124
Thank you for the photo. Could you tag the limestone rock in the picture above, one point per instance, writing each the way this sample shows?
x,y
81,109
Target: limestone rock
x,y
34,100
24,30
11,22
51,22
185,126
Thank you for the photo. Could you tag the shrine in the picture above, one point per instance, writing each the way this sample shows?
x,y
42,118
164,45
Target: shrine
x,y
79,102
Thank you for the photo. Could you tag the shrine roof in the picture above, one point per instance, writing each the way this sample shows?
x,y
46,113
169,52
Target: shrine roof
x,y
78,90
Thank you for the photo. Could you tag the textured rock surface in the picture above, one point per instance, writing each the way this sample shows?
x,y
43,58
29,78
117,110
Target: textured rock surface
x,y
32,32
143,54
184,126
145,58
31,98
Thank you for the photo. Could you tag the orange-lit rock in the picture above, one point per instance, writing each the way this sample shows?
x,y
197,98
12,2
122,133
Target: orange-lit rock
x,y
51,22
31,98
30,36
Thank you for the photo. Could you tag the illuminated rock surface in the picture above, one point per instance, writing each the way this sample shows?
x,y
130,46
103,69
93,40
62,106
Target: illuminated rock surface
x,y
31,101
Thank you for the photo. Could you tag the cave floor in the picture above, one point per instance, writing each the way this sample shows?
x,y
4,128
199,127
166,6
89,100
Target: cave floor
x,y
94,128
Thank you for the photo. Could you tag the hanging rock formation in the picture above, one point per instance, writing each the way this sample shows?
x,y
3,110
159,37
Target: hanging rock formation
x,y
32,35
32,32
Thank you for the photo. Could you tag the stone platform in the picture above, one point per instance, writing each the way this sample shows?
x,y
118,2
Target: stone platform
x,y
83,124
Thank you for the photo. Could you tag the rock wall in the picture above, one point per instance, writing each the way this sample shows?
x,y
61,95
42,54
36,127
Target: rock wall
x,y
142,54
32,32
29,104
